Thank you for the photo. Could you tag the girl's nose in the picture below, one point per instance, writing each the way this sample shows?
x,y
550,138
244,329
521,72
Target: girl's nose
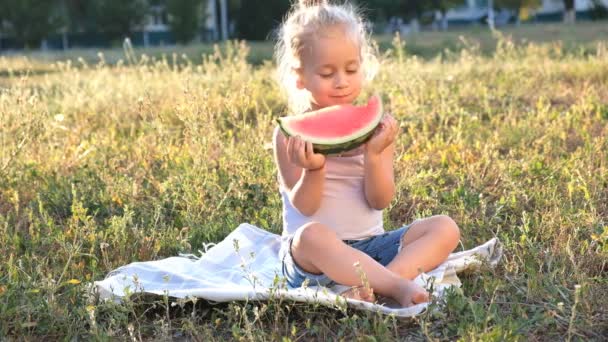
x,y
340,80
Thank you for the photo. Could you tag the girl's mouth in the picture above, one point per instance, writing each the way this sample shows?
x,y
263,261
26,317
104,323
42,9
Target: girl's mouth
x,y
340,96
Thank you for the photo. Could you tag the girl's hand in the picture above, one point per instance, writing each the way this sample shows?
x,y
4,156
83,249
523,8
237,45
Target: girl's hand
x,y
384,136
300,153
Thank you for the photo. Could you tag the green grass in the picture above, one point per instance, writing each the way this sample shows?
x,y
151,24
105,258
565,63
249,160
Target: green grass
x,y
579,38
102,165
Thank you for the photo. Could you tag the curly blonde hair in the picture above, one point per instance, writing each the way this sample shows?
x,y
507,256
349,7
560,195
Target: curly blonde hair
x,y
305,19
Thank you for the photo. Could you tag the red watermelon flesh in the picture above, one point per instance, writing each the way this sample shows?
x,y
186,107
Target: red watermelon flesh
x,y
337,128
337,121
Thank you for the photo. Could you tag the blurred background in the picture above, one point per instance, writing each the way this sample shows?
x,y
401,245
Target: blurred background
x,y
60,25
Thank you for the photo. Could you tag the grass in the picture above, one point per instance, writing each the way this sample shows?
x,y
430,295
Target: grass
x,y
102,164
580,38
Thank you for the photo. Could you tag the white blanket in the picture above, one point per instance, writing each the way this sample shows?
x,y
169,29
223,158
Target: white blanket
x,y
245,266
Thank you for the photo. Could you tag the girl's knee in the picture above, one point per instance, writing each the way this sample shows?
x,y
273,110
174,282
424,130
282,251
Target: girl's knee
x,y
312,235
447,229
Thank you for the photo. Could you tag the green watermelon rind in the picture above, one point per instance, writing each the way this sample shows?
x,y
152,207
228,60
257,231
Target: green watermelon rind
x,y
339,148
350,142
336,148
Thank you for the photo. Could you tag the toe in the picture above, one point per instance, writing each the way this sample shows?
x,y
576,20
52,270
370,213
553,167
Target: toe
x,y
420,297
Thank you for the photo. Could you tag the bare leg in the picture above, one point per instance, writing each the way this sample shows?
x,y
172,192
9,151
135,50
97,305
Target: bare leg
x,y
425,245
317,249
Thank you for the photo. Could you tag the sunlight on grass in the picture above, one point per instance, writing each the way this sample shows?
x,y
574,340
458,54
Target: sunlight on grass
x,y
102,164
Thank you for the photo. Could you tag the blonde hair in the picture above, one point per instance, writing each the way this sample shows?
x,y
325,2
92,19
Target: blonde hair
x,y
304,20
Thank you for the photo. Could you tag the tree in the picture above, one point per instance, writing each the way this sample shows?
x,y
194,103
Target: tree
x,y
516,5
443,6
599,11
255,22
81,15
117,18
569,11
184,18
30,21
407,9
411,10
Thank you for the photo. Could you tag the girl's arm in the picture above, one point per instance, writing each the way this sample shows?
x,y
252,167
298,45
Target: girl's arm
x,y
304,185
379,175
379,178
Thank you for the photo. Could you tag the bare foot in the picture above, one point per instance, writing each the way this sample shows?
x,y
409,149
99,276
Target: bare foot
x,y
410,293
360,293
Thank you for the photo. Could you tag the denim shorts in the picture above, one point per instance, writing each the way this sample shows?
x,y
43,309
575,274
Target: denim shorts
x,y
383,248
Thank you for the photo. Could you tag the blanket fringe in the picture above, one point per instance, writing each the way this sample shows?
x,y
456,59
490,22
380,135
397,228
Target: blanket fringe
x,y
206,247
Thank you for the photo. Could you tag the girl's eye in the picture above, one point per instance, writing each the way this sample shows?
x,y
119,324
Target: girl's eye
x,y
325,75
354,71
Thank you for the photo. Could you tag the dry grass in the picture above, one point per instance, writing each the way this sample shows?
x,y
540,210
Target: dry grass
x,y
102,165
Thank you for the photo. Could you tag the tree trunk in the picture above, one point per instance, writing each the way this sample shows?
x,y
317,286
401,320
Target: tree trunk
x,y
444,20
415,25
146,37
224,15
491,15
64,40
570,16
570,11
215,29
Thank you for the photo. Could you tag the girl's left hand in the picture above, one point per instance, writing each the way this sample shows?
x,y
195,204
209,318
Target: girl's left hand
x,y
384,136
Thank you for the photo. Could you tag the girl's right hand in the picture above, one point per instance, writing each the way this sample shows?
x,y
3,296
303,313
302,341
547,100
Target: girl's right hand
x,y
301,153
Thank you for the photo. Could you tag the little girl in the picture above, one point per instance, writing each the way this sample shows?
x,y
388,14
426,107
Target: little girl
x,y
332,205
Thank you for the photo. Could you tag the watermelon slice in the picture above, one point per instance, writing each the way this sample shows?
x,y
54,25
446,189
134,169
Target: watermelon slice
x,y
337,128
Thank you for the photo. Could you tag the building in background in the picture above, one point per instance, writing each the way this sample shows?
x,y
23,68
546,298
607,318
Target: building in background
x,y
476,11
214,27
216,24
155,30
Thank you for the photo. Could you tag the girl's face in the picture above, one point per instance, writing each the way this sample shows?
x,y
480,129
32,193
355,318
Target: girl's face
x,y
331,68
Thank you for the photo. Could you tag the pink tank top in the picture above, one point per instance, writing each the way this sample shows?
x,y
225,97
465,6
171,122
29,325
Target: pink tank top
x,y
343,205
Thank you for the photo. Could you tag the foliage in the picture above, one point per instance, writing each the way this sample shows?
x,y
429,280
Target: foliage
x,y
114,18
255,22
30,21
80,15
102,164
185,18
382,10
388,8
569,4
516,5
445,5
117,18
599,11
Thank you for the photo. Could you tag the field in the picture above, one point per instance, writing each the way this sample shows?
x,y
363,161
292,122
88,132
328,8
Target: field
x,y
581,38
104,162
